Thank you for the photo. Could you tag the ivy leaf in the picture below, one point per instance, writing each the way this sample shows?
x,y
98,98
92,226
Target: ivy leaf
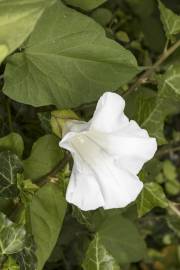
x,y
151,196
67,61
17,20
10,264
12,142
86,5
47,212
12,236
45,118
170,20
10,166
45,155
98,258
122,239
26,258
167,103
150,109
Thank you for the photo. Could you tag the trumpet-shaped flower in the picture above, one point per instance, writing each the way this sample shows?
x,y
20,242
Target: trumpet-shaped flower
x,y
108,152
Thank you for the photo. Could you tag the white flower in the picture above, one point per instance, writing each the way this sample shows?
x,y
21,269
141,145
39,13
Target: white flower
x,y
108,153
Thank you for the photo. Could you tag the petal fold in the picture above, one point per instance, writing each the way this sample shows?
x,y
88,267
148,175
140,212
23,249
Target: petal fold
x,y
97,181
109,115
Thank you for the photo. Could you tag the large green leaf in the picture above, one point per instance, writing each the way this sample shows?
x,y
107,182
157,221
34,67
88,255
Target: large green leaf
x,y
122,240
170,20
150,109
44,156
98,258
12,236
151,196
12,142
85,4
67,61
47,213
10,166
17,20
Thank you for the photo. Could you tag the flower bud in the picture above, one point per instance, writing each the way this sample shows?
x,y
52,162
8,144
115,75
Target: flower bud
x,y
3,52
60,119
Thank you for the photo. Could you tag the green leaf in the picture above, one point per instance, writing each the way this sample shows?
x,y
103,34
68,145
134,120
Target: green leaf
x,y
102,15
169,170
12,142
148,23
12,236
27,258
170,20
150,109
85,4
45,155
47,212
98,258
172,187
151,196
44,118
67,61
151,170
10,166
122,240
17,20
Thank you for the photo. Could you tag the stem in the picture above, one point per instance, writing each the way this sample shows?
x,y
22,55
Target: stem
x,y
85,106
166,46
175,209
143,78
45,179
8,106
169,149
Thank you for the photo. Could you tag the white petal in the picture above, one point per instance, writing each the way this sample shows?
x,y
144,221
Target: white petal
x,y
130,153
76,126
107,185
108,152
83,190
109,116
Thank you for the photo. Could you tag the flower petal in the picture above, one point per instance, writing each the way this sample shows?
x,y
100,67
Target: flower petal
x,y
105,184
76,126
130,152
83,190
109,116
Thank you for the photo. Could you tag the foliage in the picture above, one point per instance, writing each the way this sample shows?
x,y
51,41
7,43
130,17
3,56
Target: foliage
x,y
56,59
97,257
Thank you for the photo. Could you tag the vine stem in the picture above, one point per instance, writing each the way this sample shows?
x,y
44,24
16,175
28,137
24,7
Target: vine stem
x,y
8,106
143,78
45,179
169,149
175,209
